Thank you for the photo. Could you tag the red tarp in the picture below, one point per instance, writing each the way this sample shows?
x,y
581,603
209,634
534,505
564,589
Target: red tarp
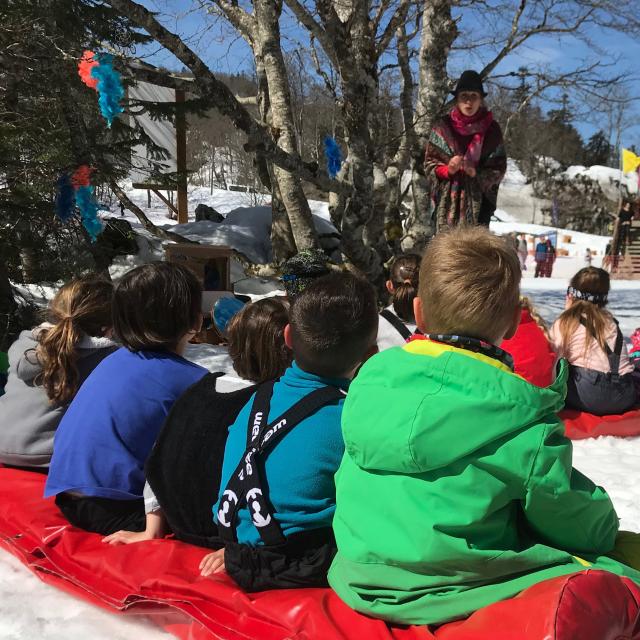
x,y
161,579
580,425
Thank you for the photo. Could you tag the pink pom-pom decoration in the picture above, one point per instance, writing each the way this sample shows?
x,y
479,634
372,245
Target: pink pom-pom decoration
x,y
81,177
86,64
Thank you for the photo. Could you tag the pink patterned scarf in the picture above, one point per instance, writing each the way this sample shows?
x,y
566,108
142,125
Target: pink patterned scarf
x,y
475,126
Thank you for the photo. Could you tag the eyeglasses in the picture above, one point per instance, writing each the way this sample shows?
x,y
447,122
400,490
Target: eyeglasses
x,y
469,97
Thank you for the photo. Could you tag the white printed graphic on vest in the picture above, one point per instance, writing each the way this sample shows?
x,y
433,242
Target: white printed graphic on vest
x,y
257,422
228,498
274,429
248,467
256,510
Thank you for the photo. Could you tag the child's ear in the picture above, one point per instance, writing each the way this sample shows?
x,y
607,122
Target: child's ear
x,y
419,315
515,323
389,286
287,336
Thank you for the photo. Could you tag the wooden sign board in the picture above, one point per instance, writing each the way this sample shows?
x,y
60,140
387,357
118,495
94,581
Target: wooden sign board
x,y
212,266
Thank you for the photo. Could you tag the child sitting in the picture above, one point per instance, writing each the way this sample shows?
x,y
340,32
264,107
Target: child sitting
x,y
277,495
587,335
48,365
397,323
533,357
102,442
194,434
456,489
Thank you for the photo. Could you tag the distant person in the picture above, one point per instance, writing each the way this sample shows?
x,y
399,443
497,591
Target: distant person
x,y
588,336
541,257
48,365
397,322
523,251
588,257
466,159
106,434
550,259
625,216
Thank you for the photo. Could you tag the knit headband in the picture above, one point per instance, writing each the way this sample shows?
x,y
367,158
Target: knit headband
x,y
596,298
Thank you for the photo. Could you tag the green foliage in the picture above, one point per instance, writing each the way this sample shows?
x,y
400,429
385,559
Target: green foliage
x,y
50,124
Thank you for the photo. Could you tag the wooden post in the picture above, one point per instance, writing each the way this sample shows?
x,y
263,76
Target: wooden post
x,y
181,158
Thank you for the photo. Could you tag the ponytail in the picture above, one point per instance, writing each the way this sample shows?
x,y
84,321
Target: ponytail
x,y
56,352
404,274
82,307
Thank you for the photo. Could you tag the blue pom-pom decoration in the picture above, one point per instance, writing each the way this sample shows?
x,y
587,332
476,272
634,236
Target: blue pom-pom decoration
x,y
223,310
334,156
110,88
89,211
64,198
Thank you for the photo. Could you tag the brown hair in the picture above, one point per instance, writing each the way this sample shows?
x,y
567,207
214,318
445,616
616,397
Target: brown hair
x,y
81,307
256,340
404,275
589,282
470,284
155,305
525,303
334,322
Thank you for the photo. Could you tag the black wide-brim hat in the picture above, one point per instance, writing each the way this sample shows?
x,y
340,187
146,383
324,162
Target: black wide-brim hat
x,y
470,81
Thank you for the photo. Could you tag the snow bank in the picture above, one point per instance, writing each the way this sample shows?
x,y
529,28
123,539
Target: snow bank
x,y
609,179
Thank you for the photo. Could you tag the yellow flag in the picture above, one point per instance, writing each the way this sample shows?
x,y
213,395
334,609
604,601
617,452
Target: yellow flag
x,y
630,161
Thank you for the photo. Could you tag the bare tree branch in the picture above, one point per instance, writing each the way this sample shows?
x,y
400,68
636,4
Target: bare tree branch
x,y
142,216
210,88
314,28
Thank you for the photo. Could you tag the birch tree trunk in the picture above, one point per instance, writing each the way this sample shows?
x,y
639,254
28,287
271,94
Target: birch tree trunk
x,y
283,245
438,34
267,48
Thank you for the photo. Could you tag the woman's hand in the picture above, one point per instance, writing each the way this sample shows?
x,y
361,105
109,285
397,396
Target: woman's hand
x,y
455,164
212,563
470,171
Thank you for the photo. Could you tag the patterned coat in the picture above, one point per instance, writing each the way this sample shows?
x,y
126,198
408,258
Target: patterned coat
x,y
461,199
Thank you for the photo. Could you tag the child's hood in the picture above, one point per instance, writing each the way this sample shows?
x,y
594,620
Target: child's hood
x,y
417,409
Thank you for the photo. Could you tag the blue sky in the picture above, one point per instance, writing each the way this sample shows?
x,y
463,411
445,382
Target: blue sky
x,y
224,51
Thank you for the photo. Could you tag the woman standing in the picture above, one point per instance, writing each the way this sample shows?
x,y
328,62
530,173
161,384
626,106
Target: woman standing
x,y
465,158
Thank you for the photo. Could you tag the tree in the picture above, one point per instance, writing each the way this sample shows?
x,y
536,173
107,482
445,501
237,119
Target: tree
x,y
50,124
598,150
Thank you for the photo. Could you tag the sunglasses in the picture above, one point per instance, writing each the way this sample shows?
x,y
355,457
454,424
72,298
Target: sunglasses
x,y
469,97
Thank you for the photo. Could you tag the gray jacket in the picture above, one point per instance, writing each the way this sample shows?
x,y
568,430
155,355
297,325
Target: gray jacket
x,y
27,419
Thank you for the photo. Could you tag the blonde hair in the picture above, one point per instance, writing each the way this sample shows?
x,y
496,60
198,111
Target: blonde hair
x,y
589,282
81,307
470,284
525,303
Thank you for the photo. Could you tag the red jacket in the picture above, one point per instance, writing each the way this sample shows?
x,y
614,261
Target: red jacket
x,y
532,353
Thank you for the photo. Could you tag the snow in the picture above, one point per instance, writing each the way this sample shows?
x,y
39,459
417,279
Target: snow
x,y
609,179
31,609
516,201
573,243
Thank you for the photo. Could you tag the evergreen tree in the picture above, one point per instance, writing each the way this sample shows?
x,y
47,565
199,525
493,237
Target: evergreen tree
x,y
598,150
50,125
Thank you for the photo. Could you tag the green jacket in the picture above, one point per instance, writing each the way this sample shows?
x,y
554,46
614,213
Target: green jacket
x,y
456,488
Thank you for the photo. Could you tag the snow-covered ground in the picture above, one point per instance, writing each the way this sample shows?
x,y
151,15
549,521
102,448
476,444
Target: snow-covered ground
x,y
30,609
